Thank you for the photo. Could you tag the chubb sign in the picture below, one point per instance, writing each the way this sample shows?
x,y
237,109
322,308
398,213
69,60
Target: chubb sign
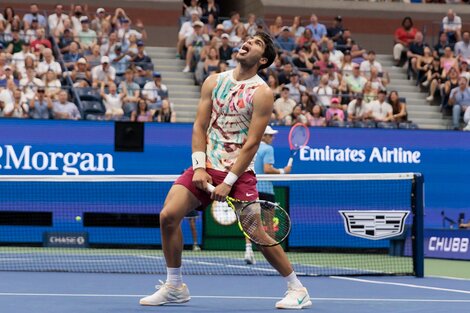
x,y
26,158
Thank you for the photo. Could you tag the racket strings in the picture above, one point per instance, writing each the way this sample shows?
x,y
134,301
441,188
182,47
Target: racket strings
x,y
265,223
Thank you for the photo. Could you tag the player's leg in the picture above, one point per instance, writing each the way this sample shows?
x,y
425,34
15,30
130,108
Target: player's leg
x,y
178,203
249,254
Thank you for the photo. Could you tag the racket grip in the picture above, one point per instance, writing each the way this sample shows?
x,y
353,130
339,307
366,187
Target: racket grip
x,y
289,163
210,187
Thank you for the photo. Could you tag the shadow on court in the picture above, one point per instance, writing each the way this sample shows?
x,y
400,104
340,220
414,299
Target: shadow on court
x,y
24,292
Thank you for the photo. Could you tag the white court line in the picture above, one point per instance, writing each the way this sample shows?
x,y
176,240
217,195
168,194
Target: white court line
x,y
449,277
401,284
7,294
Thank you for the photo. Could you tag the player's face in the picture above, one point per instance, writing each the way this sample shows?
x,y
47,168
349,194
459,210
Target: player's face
x,y
251,52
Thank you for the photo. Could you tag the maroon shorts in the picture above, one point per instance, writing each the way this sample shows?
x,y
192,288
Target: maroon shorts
x,y
243,189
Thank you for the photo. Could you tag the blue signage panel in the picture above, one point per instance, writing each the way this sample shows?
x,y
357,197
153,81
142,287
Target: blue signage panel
x,y
447,244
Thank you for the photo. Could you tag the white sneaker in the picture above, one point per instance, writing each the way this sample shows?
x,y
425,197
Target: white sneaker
x,y
430,99
186,69
250,257
425,84
167,294
196,247
295,299
467,128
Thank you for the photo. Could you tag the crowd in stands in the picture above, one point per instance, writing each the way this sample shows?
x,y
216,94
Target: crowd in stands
x,y
441,70
78,65
321,75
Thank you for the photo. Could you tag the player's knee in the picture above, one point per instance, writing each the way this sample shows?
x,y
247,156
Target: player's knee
x,y
168,219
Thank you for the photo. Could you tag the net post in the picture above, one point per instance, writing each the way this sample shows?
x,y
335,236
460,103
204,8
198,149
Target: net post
x,y
417,203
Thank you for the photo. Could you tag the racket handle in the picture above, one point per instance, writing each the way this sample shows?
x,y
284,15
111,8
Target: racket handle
x,y
210,187
289,163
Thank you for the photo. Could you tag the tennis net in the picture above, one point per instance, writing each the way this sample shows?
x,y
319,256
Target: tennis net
x,y
345,224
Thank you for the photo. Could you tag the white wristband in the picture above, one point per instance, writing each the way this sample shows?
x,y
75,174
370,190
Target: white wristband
x,y
230,179
281,171
199,160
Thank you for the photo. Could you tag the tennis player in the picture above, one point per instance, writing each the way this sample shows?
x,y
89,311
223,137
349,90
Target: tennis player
x,y
233,112
264,164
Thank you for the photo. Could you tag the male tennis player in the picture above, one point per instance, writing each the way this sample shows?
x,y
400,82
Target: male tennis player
x,y
264,164
233,112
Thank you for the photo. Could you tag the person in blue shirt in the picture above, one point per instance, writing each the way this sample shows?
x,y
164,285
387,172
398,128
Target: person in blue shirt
x,y
264,164
285,41
318,30
460,100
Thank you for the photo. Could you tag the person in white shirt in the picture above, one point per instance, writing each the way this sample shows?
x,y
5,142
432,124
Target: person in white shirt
x,y
381,111
19,57
153,92
103,73
323,92
112,101
452,26
126,31
186,30
358,110
30,84
370,62
336,56
48,64
283,106
7,97
57,19
64,109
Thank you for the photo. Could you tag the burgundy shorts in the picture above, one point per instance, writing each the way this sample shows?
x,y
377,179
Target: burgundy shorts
x,y
243,189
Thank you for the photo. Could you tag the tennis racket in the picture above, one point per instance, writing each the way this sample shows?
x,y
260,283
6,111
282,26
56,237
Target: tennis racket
x,y
264,223
299,136
222,213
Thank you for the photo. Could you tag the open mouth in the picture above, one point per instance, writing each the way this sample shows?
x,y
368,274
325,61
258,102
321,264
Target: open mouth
x,y
244,49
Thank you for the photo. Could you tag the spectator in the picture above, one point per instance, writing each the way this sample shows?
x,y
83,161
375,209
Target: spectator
x,y
238,38
110,44
30,33
194,7
335,56
448,61
452,81
460,101
56,20
65,40
381,111
18,58
7,97
19,108
165,114
285,42
94,59
40,106
29,63
335,32
284,75
225,51
130,89
356,81
81,75
334,78
72,56
306,40
318,30
358,110
334,113
416,49
229,25
141,59
273,83
283,106
346,66
277,27
211,8
48,64
112,101
440,46
306,101
185,32
377,80
210,26
33,14
251,26
65,110
194,44
296,116
211,63
424,64
103,73
41,41
323,93
86,37
52,84
29,84
16,43
358,54
451,26
142,113
324,61
125,31
462,48
370,62
403,38
464,69
433,78
399,112
295,88
119,61
152,92
369,93
314,117
100,19
345,41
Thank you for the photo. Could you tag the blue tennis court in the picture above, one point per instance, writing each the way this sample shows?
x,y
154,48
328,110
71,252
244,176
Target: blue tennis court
x,y
22,292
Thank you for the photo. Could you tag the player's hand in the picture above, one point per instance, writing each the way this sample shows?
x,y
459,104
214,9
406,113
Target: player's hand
x,y
201,178
221,192
288,169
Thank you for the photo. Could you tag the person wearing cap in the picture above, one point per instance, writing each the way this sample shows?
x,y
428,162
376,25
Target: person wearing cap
x,y
283,105
125,31
40,106
72,56
358,109
334,112
194,43
154,91
119,60
86,37
370,62
459,100
318,30
57,19
131,90
19,106
97,23
225,50
264,164
380,109
185,31
295,88
286,42
81,75
34,14
7,97
103,72
334,32
141,58
356,81
8,74
48,63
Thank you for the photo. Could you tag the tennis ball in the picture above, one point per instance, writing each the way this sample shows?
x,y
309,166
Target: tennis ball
x,y
78,218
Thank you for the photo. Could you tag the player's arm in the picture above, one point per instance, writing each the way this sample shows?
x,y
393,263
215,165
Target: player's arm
x,y
262,108
203,116
270,169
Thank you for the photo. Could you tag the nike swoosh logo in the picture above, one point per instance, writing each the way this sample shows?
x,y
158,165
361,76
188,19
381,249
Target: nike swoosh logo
x,y
299,301
249,194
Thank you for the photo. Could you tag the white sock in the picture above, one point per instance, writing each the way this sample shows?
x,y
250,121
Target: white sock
x,y
174,277
293,281
248,247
